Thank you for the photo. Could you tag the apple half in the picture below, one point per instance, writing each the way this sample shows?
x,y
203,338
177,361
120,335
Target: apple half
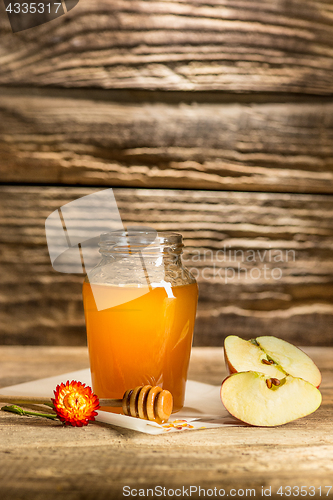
x,y
254,399
271,356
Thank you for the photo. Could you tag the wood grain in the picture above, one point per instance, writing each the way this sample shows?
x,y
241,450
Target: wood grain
x,y
40,361
251,147
41,459
41,306
227,45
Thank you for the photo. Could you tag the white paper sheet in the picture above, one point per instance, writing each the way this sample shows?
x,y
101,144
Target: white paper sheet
x,y
202,409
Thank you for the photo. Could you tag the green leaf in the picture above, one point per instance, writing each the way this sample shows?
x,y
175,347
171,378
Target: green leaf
x,y
20,411
13,409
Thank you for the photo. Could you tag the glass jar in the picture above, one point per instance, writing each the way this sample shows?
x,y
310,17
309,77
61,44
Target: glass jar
x,y
140,306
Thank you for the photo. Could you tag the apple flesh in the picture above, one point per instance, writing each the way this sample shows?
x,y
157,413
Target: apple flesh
x,y
247,396
271,356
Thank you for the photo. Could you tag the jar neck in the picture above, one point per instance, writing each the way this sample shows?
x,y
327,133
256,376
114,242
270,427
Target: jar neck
x,y
140,258
138,244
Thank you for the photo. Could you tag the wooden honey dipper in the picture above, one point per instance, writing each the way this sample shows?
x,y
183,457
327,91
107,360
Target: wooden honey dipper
x,y
146,402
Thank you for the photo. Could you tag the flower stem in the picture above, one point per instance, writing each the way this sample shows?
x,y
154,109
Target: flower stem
x,y
20,411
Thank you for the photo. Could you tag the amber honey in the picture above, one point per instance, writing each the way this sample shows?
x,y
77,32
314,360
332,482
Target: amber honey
x,y
144,337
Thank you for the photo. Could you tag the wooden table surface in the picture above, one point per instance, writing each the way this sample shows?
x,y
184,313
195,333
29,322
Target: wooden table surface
x,y
40,459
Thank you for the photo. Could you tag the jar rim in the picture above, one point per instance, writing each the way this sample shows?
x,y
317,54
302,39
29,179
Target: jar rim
x,y
137,239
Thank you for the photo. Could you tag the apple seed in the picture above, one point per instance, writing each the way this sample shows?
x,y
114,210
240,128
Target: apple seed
x,y
275,381
269,383
267,361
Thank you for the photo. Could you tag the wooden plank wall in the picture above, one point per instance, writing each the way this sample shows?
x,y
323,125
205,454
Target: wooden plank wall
x,y
211,118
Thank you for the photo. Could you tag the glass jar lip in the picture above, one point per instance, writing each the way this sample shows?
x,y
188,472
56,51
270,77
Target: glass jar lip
x,y
140,239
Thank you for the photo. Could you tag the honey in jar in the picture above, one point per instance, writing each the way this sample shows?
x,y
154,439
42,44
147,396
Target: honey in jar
x,y
140,306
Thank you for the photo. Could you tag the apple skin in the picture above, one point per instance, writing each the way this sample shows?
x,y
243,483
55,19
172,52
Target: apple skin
x,y
284,354
247,397
229,366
